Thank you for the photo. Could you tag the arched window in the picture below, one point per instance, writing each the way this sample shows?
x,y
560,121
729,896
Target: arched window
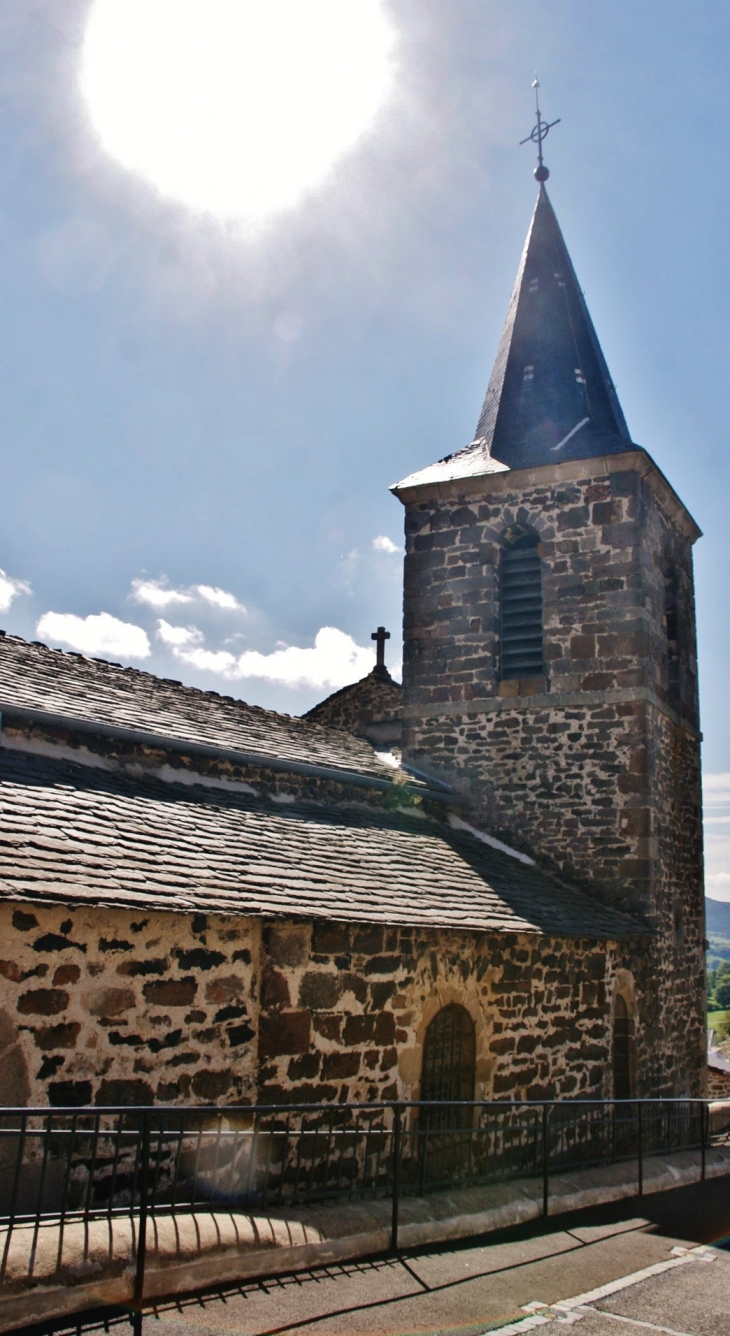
x,y
623,1040
449,1056
521,608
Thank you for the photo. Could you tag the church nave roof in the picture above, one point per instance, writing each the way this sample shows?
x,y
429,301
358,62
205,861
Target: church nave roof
x,y
75,834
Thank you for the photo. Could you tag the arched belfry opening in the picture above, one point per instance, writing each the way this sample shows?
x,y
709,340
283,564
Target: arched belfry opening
x,y
520,606
449,1056
623,1044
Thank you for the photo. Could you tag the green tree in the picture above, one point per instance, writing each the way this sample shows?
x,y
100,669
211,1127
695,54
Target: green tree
x,y
718,987
722,994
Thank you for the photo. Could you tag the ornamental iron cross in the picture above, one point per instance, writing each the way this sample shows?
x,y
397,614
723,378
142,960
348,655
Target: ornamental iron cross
x,y
538,133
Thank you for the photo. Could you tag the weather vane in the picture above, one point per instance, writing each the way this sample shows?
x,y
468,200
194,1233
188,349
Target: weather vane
x,y
538,134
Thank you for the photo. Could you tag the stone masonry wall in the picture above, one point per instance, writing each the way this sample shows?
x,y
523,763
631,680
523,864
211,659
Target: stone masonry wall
x,y
606,542
718,1084
370,708
345,1011
105,1006
595,766
678,952
558,763
110,1007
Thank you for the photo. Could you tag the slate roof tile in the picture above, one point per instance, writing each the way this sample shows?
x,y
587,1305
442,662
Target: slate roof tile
x,y
38,677
73,833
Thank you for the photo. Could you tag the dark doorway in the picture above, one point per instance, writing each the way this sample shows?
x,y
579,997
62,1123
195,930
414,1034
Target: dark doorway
x,y
449,1056
444,1134
623,1028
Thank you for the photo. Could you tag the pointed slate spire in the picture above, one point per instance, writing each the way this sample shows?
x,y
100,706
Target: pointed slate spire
x,y
550,395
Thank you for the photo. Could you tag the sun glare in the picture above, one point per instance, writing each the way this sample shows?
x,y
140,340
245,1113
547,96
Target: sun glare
x,y
235,107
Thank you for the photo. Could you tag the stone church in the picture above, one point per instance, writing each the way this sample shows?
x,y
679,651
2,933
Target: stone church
x,y
484,884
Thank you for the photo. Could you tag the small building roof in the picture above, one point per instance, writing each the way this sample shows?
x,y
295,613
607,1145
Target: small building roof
x,y
371,708
78,834
717,1060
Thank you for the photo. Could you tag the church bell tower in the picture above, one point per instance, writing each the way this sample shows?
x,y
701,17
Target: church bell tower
x,y
549,641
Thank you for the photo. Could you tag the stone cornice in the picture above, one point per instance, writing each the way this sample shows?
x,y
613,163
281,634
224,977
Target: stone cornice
x,y
550,700
497,484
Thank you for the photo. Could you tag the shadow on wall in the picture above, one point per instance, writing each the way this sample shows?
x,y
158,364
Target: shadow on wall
x,y
15,1092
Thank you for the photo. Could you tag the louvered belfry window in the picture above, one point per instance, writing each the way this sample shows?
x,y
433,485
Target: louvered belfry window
x,y
521,652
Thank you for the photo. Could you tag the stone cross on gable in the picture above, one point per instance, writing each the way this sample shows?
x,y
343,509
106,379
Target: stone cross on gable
x,y
380,636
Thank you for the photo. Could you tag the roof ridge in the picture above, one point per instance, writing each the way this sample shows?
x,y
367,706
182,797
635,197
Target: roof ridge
x,y
350,686
200,692
98,693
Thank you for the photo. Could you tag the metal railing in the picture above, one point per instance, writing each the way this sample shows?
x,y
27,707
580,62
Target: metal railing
x,y
60,1166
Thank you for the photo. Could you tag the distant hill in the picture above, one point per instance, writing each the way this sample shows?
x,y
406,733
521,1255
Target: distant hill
x,y
718,916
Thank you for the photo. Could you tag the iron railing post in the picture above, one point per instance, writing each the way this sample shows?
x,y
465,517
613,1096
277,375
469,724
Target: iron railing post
x,y
545,1158
640,1132
395,1179
144,1189
502,1142
14,1191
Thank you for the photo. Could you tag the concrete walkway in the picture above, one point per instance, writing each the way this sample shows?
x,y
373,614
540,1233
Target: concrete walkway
x,y
521,1286
91,1265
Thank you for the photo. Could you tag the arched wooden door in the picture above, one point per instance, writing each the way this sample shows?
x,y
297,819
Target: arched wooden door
x,y
445,1131
622,1042
449,1056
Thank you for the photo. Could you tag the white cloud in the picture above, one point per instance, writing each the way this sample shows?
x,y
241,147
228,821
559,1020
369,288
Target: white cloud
x,y
716,788
716,792
334,660
99,634
220,598
210,660
156,594
10,588
384,544
178,636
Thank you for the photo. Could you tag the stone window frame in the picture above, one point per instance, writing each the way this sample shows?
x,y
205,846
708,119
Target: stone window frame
x,y
443,996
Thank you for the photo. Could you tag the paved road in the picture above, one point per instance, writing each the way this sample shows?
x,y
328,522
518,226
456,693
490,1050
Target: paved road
x,y
690,1300
467,1289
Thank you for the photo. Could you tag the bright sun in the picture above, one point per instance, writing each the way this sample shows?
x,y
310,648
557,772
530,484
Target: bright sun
x,y
235,107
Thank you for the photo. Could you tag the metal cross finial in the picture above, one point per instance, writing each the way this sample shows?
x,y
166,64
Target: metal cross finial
x,y
538,133
380,636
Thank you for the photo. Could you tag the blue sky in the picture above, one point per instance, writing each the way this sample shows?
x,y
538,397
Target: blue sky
x,y
198,424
